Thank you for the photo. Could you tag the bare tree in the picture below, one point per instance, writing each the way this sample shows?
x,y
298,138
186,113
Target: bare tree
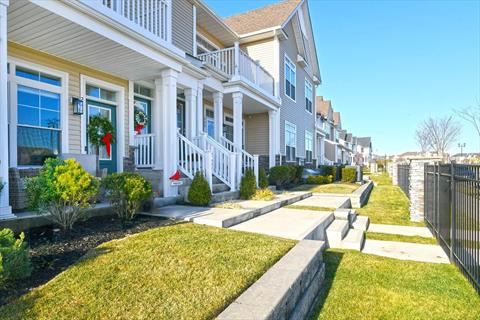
x,y
423,139
440,133
471,115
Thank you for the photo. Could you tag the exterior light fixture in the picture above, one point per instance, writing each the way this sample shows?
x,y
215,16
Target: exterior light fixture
x,y
77,105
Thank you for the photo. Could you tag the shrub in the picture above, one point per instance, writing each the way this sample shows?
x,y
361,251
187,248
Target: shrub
x,y
262,179
349,174
248,185
63,190
199,193
319,179
329,171
297,174
14,257
263,194
282,176
127,192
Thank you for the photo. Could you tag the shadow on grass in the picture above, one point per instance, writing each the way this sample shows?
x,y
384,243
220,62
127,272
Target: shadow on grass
x,y
332,260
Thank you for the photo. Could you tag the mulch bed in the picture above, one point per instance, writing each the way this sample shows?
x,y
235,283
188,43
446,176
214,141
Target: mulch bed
x,y
52,252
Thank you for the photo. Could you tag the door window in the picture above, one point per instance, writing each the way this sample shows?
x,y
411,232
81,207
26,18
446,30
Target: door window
x,y
105,113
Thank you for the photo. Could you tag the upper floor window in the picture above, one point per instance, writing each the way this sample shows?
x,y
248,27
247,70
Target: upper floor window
x,y
308,146
204,45
308,96
290,141
290,78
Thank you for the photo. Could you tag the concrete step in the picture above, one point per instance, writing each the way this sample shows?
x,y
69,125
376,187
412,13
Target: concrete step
x,y
342,213
336,231
353,240
361,223
225,196
219,187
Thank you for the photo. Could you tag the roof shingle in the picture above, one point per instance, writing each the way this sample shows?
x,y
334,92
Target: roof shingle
x,y
262,18
322,106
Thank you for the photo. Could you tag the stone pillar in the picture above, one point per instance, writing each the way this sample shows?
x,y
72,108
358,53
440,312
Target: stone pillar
x,y
416,189
5,208
169,130
191,112
199,125
272,139
218,114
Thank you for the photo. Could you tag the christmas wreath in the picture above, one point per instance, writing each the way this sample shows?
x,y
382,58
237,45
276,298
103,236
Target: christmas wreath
x,y
100,132
141,120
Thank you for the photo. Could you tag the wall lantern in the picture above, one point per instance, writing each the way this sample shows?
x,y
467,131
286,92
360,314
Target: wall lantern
x,y
77,105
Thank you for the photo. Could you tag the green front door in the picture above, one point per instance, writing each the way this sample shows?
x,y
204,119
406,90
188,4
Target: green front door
x,y
95,108
144,106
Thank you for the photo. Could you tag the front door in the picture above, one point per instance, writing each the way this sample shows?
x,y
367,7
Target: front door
x,y
95,108
145,106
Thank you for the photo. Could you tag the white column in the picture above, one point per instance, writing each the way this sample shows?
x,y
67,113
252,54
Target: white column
x,y
272,139
5,208
191,112
199,109
237,59
157,121
169,130
218,114
237,129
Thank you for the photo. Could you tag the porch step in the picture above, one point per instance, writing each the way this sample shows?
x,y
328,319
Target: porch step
x,y
361,223
353,240
342,213
219,187
225,196
336,231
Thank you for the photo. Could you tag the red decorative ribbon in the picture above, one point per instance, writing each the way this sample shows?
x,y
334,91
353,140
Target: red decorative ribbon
x,y
139,127
107,140
176,176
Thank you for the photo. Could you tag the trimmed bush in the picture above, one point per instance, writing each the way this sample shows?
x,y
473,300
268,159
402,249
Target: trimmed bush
x,y
127,192
329,171
349,175
248,185
262,179
282,176
263,194
319,179
199,193
297,175
14,257
63,190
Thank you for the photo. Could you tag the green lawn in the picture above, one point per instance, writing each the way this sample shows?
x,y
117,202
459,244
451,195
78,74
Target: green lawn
x,y
396,237
328,188
387,204
176,272
363,286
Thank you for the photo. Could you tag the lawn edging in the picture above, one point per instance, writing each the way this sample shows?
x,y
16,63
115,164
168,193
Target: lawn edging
x,y
288,289
360,196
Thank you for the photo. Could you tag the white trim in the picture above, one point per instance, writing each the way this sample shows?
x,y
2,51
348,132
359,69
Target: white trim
x,y
131,98
194,31
120,105
286,59
64,98
206,40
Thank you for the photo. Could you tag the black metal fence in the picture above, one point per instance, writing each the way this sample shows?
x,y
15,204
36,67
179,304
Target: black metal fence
x,y
452,212
404,178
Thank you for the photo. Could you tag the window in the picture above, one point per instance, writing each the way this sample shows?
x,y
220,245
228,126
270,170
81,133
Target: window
x,y
101,93
228,128
209,123
142,90
308,146
38,116
204,45
308,96
290,141
290,78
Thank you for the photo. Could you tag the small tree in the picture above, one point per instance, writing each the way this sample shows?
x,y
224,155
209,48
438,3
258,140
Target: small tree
x,y
98,128
471,115
199,193
262,179
14,257
440,133
248,185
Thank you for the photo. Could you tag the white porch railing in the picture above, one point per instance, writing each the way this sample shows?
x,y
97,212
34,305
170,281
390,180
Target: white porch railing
x,y
151,18
246,159
235,62
192,159
223,160
144,150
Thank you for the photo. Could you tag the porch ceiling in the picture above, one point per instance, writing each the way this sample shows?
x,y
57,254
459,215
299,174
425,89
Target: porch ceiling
x,y
43,30
249,106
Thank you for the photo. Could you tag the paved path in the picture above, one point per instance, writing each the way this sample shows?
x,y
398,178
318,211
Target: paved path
x,y
325,201
400,230
406,251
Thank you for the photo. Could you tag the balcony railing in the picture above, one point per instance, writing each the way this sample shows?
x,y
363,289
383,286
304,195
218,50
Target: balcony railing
x,y
234,62
151,18
144,150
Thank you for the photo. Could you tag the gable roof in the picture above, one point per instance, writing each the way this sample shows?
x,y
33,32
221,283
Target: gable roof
x,y
336,118
262,18
365,141
322,106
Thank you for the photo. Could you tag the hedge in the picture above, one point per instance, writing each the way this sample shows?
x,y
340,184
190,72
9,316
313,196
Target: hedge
x,y
319,179
349,174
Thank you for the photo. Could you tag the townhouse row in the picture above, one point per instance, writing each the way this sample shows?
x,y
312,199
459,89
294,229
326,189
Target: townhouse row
x,y
183,88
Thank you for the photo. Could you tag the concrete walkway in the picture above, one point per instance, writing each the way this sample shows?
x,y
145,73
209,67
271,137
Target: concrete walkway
x,y
400,230
406,251
325,201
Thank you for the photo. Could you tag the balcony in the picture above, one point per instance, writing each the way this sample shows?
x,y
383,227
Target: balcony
x,y
233,62
149,18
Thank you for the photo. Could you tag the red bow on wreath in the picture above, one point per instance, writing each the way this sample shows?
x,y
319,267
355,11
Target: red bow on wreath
x,y
139,127
107,140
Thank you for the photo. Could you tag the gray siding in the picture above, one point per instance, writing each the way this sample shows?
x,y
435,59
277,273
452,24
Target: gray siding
x,y
256,133
182,25
294,111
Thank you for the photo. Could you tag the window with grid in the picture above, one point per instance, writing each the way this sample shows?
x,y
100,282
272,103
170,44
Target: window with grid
x,y
308,96
290,78
308,146
290,141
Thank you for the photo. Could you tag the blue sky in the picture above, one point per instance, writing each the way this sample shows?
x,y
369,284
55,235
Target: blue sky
x,y
388,65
